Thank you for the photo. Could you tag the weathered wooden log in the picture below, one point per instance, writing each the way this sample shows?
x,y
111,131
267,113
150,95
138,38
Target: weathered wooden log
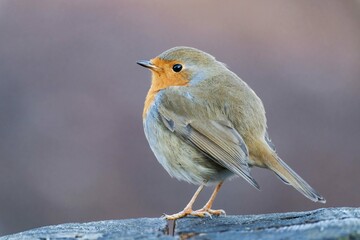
x,y
331,223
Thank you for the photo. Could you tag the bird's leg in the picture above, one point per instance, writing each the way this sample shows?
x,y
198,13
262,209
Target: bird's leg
x,y
188,209
208,205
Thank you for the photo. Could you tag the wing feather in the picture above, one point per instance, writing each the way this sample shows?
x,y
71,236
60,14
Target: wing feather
x,y
216,139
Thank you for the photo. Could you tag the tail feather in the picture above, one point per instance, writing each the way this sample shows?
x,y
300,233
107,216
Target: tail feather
x,y
289,176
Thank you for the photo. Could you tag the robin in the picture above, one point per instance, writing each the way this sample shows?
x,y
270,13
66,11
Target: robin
x,y
205,125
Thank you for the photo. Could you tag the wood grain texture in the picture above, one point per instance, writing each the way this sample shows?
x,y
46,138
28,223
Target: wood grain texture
x,y
330,223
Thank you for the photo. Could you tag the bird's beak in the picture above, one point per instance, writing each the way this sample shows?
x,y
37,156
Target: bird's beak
x,y
147,64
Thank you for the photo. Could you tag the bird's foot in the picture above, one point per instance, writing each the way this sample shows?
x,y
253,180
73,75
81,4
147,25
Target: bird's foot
x,y
187,212
203,212
210,212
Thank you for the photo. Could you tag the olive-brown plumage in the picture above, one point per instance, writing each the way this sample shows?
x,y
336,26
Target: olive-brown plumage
x,y
204,125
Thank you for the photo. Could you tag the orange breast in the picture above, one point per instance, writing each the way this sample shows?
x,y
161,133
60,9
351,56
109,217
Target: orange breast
x,y
162,78
150,97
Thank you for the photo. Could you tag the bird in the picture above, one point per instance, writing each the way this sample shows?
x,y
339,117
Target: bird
x,y
204,125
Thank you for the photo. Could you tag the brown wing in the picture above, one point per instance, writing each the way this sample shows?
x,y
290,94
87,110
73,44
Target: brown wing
x,y
216,139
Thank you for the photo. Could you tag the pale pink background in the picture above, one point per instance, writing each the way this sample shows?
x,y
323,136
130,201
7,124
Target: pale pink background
x,y
72,146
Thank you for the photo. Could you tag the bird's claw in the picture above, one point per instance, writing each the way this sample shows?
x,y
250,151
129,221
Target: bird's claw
x,y
198,213
201,213
210,212
178,215
218,212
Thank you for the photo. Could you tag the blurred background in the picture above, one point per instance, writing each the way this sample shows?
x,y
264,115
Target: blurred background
x,y
72,147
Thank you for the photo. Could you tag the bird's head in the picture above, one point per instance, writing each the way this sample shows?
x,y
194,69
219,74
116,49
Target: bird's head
x,y
181,66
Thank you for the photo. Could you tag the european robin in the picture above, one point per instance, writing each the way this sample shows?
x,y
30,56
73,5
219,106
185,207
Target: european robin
x,y
204,125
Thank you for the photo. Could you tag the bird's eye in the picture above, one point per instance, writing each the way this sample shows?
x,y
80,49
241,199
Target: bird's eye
x,y
177,67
